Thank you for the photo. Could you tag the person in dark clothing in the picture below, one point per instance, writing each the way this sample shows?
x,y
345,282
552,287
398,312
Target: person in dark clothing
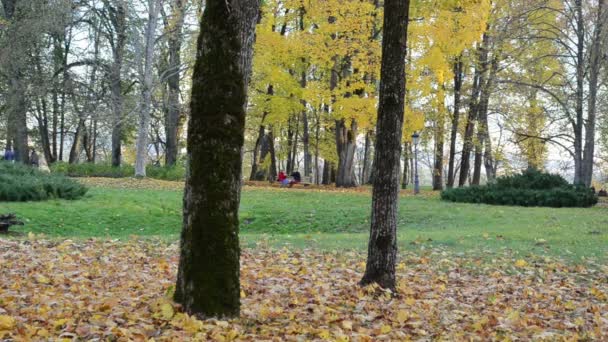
x,y
34,160
9,155
296,178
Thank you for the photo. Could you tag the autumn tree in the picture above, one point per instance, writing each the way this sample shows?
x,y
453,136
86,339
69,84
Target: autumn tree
x,y
382,250
208,277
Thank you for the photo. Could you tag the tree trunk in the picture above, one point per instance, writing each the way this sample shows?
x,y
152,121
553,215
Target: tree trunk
x,y
256,152
173,111
580,93
467,148
306,145
365,174
208,277
382,249
346,143
272,173
317,137
119,23
595,65
294,147
141,157
458,79
289,168
406,160
326,172
16,101
439,141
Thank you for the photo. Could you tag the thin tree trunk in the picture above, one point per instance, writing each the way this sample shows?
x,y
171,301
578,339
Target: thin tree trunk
x,y
479,80
326,172
306,145
294,147
208,282
317,136
458,79
272,173
382,249
141,157
406,160
289,168
365,174
256,151
439,141
119,23
173,111
580,93
62,129
595,65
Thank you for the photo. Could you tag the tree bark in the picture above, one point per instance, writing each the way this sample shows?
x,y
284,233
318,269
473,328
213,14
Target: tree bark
x,y
208,276
173,110
578,123
365,174
141,157
16,101
406,160
346,143
439,141
595,65
382,249
458,79
306,145
290,133
479,80
326,172
118,20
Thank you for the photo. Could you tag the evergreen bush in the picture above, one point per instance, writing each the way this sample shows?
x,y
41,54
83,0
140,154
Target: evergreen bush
x,y
22,183
531,188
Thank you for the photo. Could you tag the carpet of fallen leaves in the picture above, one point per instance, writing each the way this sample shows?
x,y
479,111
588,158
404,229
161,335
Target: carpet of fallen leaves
x,y
111,290
130,183
155,184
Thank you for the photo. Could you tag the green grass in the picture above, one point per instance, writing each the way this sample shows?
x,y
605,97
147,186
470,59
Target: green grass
x,y
331,220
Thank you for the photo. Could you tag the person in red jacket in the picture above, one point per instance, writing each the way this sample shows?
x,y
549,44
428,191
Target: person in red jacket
x,y
283,178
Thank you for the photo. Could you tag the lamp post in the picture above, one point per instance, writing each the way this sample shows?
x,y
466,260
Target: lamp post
x,y
415,140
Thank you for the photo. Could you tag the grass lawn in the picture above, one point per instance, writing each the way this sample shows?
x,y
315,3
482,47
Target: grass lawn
x,y
330,220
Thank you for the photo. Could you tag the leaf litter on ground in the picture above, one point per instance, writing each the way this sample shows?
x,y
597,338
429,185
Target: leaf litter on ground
x,y
121,290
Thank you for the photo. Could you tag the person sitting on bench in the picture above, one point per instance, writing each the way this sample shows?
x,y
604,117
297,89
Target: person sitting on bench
x,y
296,178
283,179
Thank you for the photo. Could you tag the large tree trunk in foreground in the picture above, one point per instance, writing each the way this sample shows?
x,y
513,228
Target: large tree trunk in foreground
x,y
16,101
382,249
208,276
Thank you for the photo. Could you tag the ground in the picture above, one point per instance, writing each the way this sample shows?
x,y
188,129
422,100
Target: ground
x,y
103,267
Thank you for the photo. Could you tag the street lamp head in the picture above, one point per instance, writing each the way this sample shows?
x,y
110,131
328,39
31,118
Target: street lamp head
x,y
415,138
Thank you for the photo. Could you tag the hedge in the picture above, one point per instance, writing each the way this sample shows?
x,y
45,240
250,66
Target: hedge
x,y
529,189
19,183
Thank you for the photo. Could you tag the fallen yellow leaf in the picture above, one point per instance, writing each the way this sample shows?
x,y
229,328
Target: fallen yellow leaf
x,y
6,322
521,263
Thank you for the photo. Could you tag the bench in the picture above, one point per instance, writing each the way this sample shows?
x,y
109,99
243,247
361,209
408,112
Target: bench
x,y
306,180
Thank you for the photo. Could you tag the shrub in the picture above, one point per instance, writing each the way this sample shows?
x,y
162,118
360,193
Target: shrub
x,y
528,189
173,173
22,183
